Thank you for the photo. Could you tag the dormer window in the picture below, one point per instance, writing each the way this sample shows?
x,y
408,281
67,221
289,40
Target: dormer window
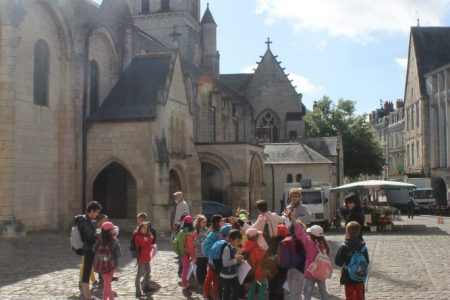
x,y
145,7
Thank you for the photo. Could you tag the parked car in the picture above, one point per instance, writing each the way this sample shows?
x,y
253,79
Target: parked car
x,y
211,208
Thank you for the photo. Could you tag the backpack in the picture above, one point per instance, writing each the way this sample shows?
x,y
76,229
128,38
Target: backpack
x,y
135,251
75,237
321,268
104,259
287,256
216,254
207,244
357,267
178,243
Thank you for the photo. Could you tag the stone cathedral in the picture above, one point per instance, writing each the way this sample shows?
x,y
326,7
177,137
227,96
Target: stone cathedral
x,y
124,103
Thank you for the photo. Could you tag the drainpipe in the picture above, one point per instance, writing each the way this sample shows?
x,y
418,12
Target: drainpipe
x,y
84,117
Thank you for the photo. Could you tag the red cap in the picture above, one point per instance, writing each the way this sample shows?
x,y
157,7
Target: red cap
x,y
282,230
187,220
107,226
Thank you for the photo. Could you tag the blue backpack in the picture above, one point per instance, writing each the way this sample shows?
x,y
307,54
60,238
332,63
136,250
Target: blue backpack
x,y
216,254
209,241
357,267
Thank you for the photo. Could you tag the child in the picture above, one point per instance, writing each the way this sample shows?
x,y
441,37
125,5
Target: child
x,y
141,218
295,275
229,282
254,255
104,258
354,290
189,253
313,244
200,236
212,277
143,241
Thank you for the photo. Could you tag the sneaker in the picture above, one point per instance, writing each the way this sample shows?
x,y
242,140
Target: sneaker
x,y
115,278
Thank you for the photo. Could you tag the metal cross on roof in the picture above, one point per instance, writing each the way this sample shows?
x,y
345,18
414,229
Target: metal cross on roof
x,y
268,42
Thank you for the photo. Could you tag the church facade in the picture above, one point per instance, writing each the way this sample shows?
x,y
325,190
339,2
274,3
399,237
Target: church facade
x,y
124,103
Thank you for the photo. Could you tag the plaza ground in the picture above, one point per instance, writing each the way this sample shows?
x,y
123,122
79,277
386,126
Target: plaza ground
x,y
411,262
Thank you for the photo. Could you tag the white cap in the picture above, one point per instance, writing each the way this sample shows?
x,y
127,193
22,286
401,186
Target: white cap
x,y
316,230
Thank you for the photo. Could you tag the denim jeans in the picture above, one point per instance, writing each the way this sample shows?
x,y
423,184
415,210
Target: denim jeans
x,y
309,285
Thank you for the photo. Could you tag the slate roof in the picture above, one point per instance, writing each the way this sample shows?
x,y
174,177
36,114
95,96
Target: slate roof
x,y
324,145
135,95
293,153
149,44
239,82
432,46
207,17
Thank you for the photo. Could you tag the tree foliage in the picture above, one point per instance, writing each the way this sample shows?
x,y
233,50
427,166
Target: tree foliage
x,y
363,154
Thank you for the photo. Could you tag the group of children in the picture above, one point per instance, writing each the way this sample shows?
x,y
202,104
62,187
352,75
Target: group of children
x,y
293,258
301,254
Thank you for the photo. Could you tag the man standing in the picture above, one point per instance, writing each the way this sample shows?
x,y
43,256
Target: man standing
x,y
182,207
411,207
296,208
87,227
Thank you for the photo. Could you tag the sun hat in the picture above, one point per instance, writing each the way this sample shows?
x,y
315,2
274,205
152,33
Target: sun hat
x,y
316,230
251,232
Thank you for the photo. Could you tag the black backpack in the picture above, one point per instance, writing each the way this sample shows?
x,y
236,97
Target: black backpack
x,y
135,252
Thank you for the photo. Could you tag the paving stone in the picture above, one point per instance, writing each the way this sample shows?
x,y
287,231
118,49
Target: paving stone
x,y
410,262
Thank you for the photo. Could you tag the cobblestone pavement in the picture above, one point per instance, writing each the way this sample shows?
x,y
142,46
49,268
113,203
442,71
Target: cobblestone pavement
x,y
411,262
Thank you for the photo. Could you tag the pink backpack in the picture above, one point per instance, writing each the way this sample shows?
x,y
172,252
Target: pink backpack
x,y
321,268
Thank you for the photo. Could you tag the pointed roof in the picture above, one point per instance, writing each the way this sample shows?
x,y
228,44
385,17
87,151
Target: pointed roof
x,y
431,46
292,153
207,16
135,95
239,82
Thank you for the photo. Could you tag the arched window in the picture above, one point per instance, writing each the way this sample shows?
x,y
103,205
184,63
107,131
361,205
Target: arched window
x,y
165,5
94,86
41,72
145,6
298,177
289,178
267,127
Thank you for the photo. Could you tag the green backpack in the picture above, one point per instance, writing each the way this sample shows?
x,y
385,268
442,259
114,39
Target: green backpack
x,y
178,243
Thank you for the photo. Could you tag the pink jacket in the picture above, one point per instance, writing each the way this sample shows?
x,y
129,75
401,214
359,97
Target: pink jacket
x,y
310,248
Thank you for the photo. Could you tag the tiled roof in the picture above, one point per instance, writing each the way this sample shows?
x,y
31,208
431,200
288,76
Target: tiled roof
x,y
135,95
207,17
324,145
293,153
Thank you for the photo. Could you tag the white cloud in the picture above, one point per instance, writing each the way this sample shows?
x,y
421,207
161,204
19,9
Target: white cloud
x,y
249,69
304,85
402,62
359,20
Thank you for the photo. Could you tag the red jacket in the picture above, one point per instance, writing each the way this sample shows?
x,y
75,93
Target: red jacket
x,y
256,255
189,245
145,244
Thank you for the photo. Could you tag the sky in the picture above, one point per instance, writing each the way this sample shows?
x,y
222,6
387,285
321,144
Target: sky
x,y
350,49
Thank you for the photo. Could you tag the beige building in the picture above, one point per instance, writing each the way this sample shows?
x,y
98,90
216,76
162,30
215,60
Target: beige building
x,y
124,103
426,109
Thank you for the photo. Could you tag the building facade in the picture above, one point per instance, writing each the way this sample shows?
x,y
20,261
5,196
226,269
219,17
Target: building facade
x,y
124,103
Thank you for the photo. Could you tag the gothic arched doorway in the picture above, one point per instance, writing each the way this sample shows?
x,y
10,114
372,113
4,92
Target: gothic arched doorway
x,y
174,186
255,182
115,189
213,186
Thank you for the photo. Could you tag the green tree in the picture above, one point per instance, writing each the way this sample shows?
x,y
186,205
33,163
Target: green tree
x,y
363,154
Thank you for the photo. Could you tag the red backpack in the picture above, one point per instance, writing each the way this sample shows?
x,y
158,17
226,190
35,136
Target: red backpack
x,y
104,259
287,256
